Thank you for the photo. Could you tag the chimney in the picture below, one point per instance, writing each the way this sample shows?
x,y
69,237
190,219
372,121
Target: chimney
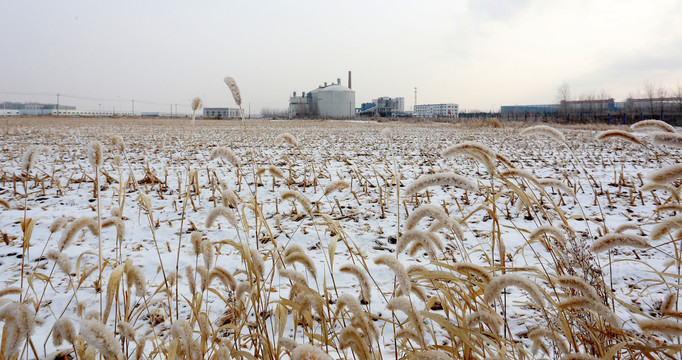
x,y
349,84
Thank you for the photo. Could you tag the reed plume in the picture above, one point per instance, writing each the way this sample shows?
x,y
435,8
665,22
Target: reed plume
x,y
609,241
440,179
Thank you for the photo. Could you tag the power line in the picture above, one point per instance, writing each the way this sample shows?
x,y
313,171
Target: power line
x,y
81,97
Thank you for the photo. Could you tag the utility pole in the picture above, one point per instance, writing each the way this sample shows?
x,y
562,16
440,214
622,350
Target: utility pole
x,y
133,107
57,104
415,99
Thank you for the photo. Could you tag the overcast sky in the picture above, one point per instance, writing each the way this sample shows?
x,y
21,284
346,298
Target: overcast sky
x,y
478,53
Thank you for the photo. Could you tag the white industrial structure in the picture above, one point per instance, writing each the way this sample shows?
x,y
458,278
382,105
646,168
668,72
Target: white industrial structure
x,y
437,110
333,101
222,113
4,112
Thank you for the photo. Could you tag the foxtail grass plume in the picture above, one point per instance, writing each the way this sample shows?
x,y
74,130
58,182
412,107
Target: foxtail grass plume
x,y
662,326
548,230
425,210
236,95
118,143
666,226
95,154
302,258
63,330
586,303
221,211
337,185
19,322
101,338
300,198
399,271
494,287
30,157
667,138
70,232
363,280
618,134
610,241
651,124
286,138
667,174
493,320
466,147
309,352
225,154
544,130
440,179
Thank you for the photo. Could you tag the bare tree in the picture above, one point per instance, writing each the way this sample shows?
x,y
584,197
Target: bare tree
x,y
563,95
649,90
661,94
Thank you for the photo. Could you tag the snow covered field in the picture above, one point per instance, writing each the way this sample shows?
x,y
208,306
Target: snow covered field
x,y
199,262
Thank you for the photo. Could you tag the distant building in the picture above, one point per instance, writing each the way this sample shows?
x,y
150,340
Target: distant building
x,y
6,112
383,106
549,109
333,101
221,113
449,110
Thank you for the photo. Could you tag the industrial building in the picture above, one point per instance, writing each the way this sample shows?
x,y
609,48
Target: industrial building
x,y
382,107
449,110
221,113
333,101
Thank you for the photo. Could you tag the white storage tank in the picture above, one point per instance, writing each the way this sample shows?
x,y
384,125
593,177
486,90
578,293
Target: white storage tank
x,y
335,101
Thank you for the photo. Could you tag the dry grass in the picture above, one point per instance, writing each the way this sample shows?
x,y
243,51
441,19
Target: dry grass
x,y
516,249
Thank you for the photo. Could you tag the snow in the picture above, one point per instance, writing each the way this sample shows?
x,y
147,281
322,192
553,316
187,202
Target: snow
x,y
352,151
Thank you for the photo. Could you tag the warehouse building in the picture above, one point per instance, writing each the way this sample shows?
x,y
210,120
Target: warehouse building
x,y
333,101
437,110
221,113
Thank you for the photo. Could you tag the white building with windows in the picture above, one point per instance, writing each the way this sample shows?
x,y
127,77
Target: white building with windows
x,y
221,113
437,110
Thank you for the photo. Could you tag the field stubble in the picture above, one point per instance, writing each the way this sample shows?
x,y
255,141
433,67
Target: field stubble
x,y
157,239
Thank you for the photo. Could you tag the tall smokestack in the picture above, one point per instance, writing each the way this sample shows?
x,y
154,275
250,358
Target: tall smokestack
x,y
349,83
